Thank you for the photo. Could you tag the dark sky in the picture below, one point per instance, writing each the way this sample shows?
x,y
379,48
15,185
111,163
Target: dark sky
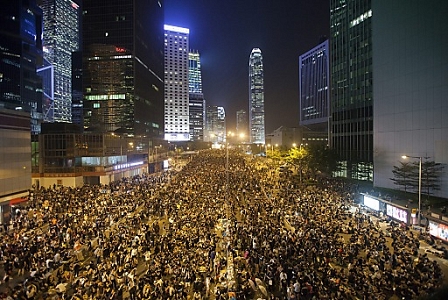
x,y
224,33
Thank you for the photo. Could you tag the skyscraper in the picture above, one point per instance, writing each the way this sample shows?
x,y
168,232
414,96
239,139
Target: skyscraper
x,y
216,124
314,90
256,97
196,98
20,56
60,39
123,67
177,127
242,127
351,85
194,73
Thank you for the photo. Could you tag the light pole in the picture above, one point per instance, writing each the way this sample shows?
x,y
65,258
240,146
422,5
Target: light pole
x,y
419,184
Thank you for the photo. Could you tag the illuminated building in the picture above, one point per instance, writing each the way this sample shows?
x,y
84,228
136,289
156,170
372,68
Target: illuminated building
x,y
123,68
216,124
20,56
46,72
256,97
194,73
196,98
314,90
351,86
77,106
60,39
177,125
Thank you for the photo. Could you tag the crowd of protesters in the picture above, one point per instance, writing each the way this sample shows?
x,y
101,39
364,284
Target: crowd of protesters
x,y
223,227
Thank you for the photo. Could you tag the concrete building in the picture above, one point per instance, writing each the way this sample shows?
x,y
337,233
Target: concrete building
x,y
410,67
15,159
177,125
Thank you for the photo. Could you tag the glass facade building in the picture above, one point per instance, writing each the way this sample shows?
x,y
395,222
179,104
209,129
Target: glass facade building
x,y
351,85
196,98
216,124
314,86
122,71
256,97
60,39
177,125
46,72
194,73
20,56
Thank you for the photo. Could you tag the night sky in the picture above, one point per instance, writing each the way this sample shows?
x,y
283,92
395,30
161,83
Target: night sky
x,y
224,33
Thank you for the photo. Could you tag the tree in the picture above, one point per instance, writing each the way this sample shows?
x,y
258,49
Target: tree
x,y
404,175
298,158
431,171
407,175
314,159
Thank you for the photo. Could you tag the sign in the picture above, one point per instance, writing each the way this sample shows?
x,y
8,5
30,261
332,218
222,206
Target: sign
x,y
438,230
397,213
371,203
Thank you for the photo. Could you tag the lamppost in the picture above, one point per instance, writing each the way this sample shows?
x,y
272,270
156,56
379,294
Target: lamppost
x,y
419,183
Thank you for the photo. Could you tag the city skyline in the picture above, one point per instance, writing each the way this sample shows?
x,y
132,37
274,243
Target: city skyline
x,y
225,32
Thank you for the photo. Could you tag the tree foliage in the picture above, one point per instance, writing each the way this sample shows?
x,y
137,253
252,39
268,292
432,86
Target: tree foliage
x,y
407,176
313,160
404,175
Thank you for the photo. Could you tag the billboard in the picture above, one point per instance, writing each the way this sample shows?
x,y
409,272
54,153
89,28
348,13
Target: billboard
x,y
397,213
371,203
438,230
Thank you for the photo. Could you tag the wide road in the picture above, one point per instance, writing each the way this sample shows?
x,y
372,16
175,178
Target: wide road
x,y
220,228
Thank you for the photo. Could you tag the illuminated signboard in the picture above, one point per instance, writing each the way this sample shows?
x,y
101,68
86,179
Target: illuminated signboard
x,y
438,230
176,28
371,203
397,213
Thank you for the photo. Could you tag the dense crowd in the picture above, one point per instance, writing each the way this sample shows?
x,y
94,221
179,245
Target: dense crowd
x,y
221,228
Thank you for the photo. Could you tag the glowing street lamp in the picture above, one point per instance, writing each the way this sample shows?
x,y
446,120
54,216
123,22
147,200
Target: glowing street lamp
x,y
419,183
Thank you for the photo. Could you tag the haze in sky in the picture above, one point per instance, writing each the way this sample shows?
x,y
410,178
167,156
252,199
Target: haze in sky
x,y
224,33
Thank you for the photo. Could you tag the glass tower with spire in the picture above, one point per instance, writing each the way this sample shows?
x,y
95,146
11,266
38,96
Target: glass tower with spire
x,y
256,97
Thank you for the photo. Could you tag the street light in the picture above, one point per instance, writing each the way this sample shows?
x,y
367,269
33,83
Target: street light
x,y
419,183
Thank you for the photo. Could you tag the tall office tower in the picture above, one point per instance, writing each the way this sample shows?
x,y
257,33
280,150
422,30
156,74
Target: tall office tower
x,y
351,85
196,98
60,39
20,55
77,107
314,82
410,65
123,67
177,127
196,117
242,127
216,124
256,97
194,73
46,72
